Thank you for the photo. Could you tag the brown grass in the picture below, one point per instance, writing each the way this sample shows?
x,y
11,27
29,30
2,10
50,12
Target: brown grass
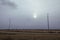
x,y
29,35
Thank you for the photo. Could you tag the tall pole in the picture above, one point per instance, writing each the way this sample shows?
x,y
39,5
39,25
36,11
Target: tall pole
x,y
9,23
48,21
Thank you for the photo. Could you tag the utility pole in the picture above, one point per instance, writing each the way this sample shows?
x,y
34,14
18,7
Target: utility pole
x,y
48,21
9,23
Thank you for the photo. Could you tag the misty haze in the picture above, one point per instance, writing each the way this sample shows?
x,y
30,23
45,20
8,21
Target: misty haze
x,y
29,14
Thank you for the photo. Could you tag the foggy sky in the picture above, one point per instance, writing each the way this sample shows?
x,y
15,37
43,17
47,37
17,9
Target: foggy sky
x,y
20,13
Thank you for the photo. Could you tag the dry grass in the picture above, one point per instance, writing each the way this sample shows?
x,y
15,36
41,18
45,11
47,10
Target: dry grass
x,y
29,35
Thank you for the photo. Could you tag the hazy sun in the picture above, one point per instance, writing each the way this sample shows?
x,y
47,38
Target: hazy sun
x,y
34,16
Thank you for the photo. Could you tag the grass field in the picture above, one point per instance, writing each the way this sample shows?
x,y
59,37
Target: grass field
x,y
29,35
